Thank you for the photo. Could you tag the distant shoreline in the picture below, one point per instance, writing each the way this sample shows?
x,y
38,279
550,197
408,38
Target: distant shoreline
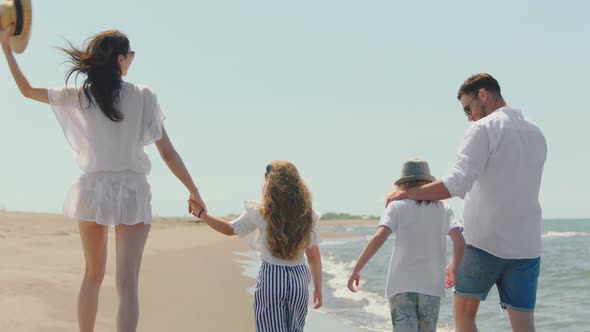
x,y
329,216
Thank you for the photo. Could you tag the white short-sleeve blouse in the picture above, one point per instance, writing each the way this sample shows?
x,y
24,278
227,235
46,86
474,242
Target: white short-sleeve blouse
x,y
252,220
100,144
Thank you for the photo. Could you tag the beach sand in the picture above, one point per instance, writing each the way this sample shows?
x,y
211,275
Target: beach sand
x,y
190,280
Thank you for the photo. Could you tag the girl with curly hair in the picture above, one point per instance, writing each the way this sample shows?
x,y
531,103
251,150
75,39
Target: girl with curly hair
x,y
286,229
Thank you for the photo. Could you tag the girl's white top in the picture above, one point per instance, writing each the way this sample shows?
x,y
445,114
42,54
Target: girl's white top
x,y
100,144
419,257
113,189
252,220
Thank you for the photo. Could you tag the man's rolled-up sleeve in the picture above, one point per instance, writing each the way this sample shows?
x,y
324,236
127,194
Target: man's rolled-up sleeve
x,y
473,157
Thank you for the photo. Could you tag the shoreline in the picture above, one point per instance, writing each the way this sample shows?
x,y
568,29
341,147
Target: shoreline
x,y
195,279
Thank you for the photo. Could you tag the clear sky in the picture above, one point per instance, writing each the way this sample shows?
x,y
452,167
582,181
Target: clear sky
x,y
347,90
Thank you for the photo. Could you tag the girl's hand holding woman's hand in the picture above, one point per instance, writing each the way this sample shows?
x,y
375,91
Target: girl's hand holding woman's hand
x,y
196,208
196,197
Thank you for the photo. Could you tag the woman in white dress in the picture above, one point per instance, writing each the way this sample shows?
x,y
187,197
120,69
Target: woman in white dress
x,y
107,123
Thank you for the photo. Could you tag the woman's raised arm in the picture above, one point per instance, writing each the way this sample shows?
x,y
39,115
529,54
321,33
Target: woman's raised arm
x,y
38,94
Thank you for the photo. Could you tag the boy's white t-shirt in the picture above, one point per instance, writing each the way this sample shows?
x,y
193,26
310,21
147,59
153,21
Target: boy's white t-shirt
x,y
418,260
252,220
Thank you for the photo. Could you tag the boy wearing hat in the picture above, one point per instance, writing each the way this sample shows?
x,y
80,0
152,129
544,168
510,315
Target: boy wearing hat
x,y
416,277
498,174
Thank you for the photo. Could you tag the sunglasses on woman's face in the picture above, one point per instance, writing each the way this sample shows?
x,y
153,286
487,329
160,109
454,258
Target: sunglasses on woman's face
x,y
131,53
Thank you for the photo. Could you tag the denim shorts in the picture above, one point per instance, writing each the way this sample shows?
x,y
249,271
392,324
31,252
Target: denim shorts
x,y
516,279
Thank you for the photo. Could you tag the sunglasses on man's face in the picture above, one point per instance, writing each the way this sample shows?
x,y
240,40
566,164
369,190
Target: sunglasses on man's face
x,y
131,53
467,109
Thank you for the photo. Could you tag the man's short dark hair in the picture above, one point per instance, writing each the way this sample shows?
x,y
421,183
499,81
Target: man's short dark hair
x,y
479,81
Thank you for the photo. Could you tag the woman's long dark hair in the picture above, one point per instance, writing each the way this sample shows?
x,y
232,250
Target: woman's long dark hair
x,y
99,63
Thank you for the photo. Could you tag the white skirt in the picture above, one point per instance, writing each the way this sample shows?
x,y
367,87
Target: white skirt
x,y
110,198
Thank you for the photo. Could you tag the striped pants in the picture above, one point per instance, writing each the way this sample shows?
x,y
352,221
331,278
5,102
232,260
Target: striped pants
x,y
280,298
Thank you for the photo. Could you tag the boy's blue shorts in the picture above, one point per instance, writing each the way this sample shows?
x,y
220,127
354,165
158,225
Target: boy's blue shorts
x,y
516,279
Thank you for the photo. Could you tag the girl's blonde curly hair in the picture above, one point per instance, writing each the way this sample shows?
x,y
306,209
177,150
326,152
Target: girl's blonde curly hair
x,y
286,207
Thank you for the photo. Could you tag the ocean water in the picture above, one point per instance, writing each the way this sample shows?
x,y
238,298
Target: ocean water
x,y
563,295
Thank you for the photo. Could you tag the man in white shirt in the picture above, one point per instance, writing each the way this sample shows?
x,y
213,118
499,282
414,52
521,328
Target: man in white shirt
x,y
498,174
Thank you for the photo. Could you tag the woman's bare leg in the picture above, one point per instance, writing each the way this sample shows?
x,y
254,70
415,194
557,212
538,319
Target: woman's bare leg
x,y
94,242
130,244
